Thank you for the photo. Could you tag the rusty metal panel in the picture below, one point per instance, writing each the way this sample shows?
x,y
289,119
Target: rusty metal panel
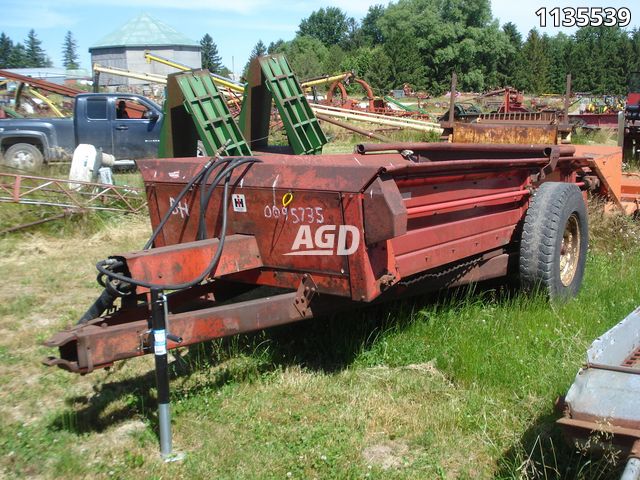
x,y
183,262
504,133
336,173
371,269
385,215
84,348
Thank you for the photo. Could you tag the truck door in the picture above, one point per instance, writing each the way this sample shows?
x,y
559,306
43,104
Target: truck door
x,y
96,130
136,128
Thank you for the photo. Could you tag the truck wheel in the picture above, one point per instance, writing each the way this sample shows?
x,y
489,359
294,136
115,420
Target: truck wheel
x,y
23,156
555,238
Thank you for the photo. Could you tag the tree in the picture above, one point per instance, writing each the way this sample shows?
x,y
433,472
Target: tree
x,y
427,40
370,29
6,46
274,47
34,54
533,73
258,51
69,52
560,52
330,26
307,56
209,54
513,35
18,58
509,61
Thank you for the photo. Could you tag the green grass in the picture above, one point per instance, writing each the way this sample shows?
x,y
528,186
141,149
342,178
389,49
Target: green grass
x,y
458,384
605,136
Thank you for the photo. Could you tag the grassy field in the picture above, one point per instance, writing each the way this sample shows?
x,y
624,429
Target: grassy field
x,y
459,384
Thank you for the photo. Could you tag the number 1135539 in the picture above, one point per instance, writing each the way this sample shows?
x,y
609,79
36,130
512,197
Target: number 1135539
x,y
584,17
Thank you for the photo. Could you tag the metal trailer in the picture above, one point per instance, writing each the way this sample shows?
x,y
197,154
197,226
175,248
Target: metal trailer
x,y
317,234
601,406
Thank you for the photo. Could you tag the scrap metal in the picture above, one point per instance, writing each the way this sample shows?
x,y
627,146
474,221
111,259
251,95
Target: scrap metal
x,y
72,197
602,403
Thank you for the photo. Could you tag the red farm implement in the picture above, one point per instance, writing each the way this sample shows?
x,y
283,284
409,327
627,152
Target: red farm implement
x,y
316,234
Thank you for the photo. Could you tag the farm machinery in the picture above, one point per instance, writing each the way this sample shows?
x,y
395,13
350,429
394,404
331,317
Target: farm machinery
x,y
632,118
601,407
250,242
245,241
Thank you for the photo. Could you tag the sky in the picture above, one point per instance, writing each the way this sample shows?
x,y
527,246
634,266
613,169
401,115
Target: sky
x,y
235,25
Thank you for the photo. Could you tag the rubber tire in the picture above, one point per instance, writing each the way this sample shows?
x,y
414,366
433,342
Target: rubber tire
x,y
23,156
550,208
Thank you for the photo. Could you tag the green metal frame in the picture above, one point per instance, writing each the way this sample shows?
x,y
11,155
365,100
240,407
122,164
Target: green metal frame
x,y
300,123
193,94
271,77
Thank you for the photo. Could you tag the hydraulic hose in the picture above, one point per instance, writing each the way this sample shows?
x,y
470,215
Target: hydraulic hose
x,y
105,267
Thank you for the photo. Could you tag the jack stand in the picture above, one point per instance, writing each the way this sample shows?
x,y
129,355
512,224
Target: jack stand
x,y
159,315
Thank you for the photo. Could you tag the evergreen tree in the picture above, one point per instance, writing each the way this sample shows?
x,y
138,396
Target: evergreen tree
x,y
512,33
634,61
18,57
210,57
258,51
275,47
6,47
509,61
69,52
534,65
34,54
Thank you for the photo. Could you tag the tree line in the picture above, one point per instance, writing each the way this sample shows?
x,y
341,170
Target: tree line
x,y
422,42
30,53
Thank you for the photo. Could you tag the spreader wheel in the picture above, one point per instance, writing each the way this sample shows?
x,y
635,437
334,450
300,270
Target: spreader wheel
x,y
555,238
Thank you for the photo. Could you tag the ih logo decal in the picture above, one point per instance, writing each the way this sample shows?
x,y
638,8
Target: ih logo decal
x,y
325,241
238,202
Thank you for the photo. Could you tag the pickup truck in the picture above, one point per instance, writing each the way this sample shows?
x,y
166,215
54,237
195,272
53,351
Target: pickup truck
x,y
124,125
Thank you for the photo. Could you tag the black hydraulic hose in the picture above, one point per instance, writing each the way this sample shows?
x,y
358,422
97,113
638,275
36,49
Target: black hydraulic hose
x,y
102,265
204,172
204,200
102,303
203,186
108,296
175,202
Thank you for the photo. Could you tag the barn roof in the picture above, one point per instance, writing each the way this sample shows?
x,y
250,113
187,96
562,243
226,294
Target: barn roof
x,y
144,31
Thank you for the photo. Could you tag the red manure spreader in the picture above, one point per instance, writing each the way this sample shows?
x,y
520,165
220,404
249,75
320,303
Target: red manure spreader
x,y
246,243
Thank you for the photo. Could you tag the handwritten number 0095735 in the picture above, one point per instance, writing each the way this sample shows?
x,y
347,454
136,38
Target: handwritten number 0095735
x,y
295,214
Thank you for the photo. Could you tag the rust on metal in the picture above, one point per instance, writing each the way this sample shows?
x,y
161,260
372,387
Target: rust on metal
x,y
71,196
185,261
331,231
507,133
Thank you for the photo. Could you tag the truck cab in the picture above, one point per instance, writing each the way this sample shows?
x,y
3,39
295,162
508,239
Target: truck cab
x,y
124,125
127,126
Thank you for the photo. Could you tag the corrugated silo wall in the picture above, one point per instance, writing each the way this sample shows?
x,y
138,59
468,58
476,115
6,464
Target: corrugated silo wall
x,y
132,58
110,57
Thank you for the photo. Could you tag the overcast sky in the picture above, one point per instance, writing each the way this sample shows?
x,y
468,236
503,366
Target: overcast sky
x,y
235,25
